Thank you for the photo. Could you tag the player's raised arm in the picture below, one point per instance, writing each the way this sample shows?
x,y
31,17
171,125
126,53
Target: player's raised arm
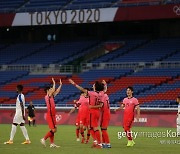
x,y
105,85
53,88
58,89
78,87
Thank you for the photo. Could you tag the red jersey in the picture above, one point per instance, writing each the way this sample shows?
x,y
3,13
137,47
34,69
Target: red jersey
x,y
105,100
50,105
84,104
130,104
93,99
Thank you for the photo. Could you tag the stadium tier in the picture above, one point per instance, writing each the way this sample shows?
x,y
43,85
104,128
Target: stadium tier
x,y
33,5
153,86
15,52
50,5
37,53
65,52
128,46
81,4
10,5
160,87
136,51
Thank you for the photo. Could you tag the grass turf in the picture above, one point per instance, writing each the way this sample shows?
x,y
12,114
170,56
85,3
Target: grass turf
x,y
65,137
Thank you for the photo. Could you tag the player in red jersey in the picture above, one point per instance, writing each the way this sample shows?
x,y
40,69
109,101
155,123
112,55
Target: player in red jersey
x,y
105,115
84,115
82,120
51,113
77,123
129,104
105,118
94,112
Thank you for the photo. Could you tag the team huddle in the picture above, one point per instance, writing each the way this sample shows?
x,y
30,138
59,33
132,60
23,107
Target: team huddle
x,y
93,112
93,106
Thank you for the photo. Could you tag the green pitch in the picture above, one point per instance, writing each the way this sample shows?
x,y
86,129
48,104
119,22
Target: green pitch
x,y
65,137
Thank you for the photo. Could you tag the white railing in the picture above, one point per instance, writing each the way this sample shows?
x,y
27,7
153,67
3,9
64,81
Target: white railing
x,y
56,68
132,65
41,69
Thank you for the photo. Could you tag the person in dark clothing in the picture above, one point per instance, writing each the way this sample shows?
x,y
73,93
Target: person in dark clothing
x,y
31,113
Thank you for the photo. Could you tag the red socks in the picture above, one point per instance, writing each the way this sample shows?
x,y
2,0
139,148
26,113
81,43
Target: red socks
x,y
92,134
47,135
50,135
88,134
82,133
98,137
128,133
77,132
52,138
105,136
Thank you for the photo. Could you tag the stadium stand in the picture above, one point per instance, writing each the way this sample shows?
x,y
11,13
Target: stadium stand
x,y
129,46
41,5
15,52
81,4
35,5
147,90
159,49
70,51
10,5
153,86
125,3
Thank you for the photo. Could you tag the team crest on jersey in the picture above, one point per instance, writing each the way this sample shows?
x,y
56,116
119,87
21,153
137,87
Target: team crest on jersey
x,y
58,117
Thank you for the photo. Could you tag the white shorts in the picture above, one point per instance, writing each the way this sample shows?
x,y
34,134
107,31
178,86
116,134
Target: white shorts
x,y
18,119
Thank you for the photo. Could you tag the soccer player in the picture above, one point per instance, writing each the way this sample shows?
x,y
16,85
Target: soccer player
x,y
51,113
77,123
129,104
31,113
84,115
82,120
19,118
105,118
105,115
178,116
94,112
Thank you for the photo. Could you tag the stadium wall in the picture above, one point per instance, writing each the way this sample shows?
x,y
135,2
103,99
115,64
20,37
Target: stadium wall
x,y
149,118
